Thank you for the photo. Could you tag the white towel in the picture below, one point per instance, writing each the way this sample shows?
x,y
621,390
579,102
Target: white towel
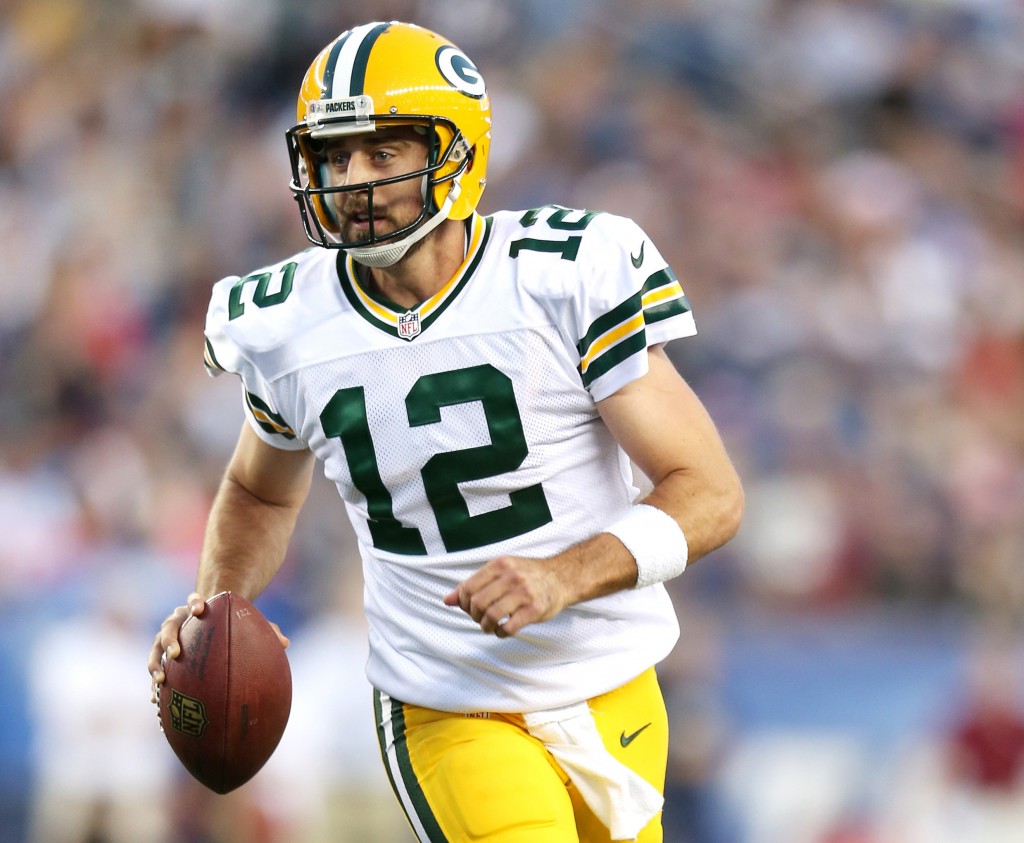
x,y
621,798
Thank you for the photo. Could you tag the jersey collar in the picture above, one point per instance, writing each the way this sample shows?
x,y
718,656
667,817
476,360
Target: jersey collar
x,y
409,323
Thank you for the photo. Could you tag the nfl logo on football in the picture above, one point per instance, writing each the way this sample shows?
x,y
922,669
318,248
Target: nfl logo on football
x,y
408,325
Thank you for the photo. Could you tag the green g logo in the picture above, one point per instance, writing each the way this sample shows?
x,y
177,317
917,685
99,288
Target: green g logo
x,y
459,71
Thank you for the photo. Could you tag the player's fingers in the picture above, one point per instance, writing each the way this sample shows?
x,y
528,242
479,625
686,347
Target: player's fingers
x,y
504,593
167,636
280,635
154,666
155,687
462,597
155,652
499,611
486,600
494,606
165,645
523,615
507,628
169,639
467,590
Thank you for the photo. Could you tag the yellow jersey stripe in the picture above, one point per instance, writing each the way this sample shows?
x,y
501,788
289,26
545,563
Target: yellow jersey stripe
x,y
631,326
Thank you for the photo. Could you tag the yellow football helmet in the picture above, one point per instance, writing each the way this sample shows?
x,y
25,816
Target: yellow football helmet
x,y
384,74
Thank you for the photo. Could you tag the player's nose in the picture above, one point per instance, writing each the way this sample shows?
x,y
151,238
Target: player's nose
x,y
359,170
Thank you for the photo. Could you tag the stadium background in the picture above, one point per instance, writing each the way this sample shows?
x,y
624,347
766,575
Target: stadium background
x,y
839,185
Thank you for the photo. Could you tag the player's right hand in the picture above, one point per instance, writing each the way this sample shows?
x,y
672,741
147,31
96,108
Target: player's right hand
x,y
166,645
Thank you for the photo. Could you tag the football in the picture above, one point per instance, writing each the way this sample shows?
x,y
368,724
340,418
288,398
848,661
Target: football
x,y
226,699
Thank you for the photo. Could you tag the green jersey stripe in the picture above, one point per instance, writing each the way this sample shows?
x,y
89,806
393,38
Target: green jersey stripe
x,y
613,356
628,309
269,428
211,360
666,310
661,278
613,318
267,419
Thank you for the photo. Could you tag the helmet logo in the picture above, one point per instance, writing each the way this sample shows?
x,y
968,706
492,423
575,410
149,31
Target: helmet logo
x,y
459,71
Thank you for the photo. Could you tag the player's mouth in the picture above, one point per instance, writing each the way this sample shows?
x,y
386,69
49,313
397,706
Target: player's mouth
x,y
359,224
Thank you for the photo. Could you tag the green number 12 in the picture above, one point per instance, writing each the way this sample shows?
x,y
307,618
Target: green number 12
x,y
345,417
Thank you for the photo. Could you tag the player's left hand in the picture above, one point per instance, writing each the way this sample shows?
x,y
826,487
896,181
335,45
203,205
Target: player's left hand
x,y
510,592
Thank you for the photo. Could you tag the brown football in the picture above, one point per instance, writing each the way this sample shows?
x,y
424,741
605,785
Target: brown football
x,y
226,699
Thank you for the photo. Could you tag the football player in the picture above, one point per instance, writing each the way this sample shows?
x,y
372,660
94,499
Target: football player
x,y
477,387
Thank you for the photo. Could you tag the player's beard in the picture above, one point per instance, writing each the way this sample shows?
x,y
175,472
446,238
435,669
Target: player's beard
x,y
354,214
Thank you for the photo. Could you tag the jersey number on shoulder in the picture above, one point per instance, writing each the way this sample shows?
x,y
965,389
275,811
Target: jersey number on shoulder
x,y
345,418
261,297
558,220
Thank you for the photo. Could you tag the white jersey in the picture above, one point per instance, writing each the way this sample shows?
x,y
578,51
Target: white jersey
x,y
464,429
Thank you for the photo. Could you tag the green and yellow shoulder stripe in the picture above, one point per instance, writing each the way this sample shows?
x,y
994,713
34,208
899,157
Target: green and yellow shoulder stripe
x,y
621,332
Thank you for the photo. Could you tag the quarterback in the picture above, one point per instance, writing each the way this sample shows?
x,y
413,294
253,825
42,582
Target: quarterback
x,y
479,388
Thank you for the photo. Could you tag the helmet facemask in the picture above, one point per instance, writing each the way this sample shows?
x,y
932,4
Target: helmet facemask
x,y
448,157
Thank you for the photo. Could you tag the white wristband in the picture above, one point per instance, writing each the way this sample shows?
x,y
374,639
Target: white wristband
x,y
656,541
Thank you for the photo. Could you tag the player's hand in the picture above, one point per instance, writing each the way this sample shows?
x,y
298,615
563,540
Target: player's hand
x,y
510,592
166,645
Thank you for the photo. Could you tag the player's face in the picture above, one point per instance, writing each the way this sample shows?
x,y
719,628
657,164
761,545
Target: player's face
x,y
355,159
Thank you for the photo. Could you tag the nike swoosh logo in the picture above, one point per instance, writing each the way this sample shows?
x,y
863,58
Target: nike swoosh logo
x,y
638,259
625,740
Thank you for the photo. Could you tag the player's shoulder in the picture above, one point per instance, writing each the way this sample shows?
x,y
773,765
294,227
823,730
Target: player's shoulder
x,y
600,232
275,298
558,246
559,253
253,317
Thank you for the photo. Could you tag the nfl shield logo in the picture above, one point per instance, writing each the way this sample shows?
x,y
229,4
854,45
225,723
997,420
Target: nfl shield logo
x,y
409,325
188,714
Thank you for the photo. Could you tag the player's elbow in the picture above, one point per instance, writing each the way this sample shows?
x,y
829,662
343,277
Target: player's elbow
x,y
732,507
729,502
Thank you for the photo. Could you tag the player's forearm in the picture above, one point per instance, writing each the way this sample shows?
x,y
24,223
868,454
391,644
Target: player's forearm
x,y
708,506
245,543
707,510
594,568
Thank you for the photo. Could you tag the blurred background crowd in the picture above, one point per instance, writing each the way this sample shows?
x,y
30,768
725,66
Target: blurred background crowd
x,y
840,186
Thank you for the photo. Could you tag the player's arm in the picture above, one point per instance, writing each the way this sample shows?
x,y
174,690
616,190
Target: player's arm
x,y
253,516
247,534
663,427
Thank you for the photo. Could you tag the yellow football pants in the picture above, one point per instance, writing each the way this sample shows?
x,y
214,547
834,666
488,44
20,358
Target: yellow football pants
x,y
483,777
